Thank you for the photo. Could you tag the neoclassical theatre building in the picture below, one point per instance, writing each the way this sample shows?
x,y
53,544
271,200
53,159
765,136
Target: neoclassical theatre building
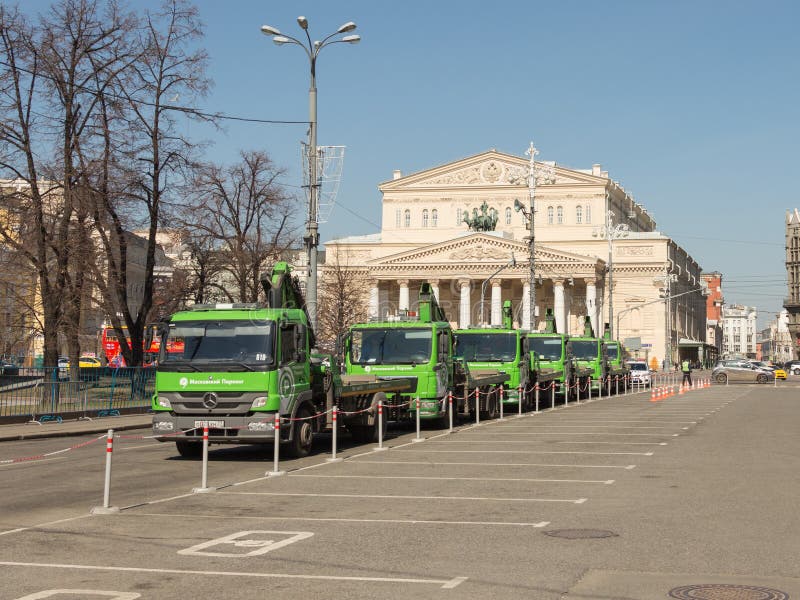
x,y
424,237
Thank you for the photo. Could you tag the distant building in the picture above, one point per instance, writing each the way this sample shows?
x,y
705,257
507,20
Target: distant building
x,y
739,331
792,302
776,341
714,302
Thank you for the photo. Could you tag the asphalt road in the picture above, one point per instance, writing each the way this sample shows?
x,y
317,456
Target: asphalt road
x,y
698,489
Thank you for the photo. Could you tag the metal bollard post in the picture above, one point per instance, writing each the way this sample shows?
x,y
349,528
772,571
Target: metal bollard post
x,y
520,390
552,395
501,402
477,406
334,424
107,509
380,427
578,385
450,408
600,387
536,393
616,384
418,438
590,388
276,449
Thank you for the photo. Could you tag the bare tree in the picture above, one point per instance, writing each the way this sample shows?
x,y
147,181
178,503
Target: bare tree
x,y
341,300
132,185
45,112
245,216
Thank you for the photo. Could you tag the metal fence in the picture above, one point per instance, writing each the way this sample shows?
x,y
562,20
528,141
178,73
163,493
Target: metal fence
x,y
49,393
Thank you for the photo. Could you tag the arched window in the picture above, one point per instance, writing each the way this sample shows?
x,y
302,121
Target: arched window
x,y
588,213
560,214
508,215
549,215
579,214
425,217
407,218
434,218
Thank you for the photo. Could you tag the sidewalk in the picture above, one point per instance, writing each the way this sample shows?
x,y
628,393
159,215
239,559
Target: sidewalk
x,y
32,431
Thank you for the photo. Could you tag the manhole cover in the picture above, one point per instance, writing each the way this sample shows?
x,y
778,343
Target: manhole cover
x,y
722,591
580,534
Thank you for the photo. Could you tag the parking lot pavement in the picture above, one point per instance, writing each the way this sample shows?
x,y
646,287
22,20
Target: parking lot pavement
x,y
617,498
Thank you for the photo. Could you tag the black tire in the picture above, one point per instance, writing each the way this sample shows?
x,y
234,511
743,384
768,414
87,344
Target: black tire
x,y
761,378
302,435
492,405
368,434
721,378
796,371
189,449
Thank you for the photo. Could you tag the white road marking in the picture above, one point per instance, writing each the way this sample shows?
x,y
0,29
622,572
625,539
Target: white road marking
x,y
344,520
579,427
618,443
574,433
479,464
390,497
527,452
444,583
260,541
49,523
32,462
438,478
82,593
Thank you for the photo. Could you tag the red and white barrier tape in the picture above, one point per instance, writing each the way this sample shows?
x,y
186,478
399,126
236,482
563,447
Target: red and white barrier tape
x,y
48,454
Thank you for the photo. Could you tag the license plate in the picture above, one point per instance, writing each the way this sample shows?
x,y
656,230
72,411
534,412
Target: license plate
x,y
210,424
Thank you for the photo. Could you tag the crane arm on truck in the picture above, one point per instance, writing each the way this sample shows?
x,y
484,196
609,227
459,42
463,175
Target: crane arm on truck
x,y
283,291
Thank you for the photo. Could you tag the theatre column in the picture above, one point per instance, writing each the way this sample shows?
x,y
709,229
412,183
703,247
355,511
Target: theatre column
x,y
497,302
526,306
374,301
558,305
435,288
464,316
591,302
402,302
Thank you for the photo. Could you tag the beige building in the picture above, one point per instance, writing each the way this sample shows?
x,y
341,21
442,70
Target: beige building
x,y
423,237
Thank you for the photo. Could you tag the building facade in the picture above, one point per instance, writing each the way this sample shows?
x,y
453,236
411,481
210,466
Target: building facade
x,y
424,237
792,301
739,331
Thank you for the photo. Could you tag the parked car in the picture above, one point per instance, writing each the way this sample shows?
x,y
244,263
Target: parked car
x,y
792,366
641,375
63,367
7,368
84,362
779,372
740,371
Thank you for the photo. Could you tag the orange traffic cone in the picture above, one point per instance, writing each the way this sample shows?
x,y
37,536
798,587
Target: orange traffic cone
x,y
680,390
653,395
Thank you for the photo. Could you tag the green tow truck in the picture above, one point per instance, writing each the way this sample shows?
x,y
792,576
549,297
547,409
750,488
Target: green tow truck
x,y
504,349
234,367
556,359
420,345
593,353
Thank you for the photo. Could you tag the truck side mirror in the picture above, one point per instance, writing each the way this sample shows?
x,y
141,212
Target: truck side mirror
x,y
301,340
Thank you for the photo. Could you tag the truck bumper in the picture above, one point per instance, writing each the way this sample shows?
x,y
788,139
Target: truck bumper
x,y
232,430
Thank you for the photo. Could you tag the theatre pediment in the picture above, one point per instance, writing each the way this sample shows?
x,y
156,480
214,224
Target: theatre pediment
x,y
482,248
491,168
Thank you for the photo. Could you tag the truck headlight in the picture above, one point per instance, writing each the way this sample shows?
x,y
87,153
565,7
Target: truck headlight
x,y
163,402
259,402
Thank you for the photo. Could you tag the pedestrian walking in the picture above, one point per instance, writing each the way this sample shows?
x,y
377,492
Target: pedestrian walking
x,y
686,369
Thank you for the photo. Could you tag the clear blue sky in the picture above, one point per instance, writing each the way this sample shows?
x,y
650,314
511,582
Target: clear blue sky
x,y
692,106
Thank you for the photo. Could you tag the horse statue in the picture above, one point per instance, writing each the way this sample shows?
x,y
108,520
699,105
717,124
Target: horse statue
x,y
485,221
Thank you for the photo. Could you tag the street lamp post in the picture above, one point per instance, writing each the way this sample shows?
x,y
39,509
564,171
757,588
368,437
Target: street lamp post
x,y
311,238
529,214
611,232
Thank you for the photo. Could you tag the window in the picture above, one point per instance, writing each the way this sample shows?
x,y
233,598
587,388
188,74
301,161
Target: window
x,y
549,215
407,218
459,216
579,214
508,215
434,218
588,213
397,218
425,218
560,214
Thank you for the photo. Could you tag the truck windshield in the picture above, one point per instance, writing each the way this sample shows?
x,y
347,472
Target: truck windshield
x,y
547,348
229,345
488,347
584,349
612,352
391,346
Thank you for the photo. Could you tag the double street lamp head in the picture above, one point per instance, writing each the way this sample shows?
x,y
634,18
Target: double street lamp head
x,y
281,39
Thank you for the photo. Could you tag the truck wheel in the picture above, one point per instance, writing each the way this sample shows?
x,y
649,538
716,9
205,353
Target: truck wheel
x,y
492,408
189,449
302,435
